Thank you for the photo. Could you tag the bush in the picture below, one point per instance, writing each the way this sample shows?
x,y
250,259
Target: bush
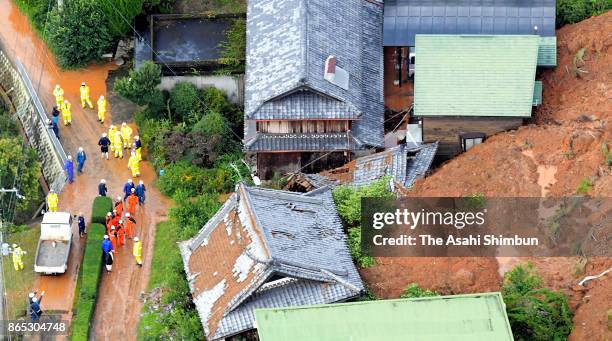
x,y
182,176
233,49
573,11
354,243
185,102
212,124
140,86
89,278
535,313
585,186
191,213
348,199
414,291
36,10
78,33
101,206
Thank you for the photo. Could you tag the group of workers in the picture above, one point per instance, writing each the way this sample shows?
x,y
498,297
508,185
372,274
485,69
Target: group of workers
x,y
119,139
120,223
64,107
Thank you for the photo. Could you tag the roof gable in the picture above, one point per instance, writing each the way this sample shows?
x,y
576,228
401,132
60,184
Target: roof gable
x,y
475,75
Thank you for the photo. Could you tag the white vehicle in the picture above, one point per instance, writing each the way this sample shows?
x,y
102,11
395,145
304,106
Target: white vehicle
x,y
54,243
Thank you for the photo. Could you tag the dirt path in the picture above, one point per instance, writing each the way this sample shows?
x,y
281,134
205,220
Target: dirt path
x,y
118,298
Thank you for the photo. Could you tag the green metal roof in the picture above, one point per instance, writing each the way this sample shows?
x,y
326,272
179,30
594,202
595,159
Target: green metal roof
x,y
475,75
547,51
475,317
537,93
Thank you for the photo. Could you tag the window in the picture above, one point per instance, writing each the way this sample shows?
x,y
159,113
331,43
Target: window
x,y
469,140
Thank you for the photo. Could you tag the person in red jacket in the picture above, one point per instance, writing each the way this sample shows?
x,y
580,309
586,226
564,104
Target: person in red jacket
x,y
132,202
120,233
113,238
119,206
130,225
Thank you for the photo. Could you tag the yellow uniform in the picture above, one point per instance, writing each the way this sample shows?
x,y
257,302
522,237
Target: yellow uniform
x,y
126,134
111,136
85,93
134,165
101,109
59,96
18,258
52,201
67,113
118,144
137,252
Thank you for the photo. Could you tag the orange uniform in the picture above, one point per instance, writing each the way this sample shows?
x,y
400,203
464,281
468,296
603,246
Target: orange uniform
x,y
114,222
132,202
119,208
120,235
130,224
113,239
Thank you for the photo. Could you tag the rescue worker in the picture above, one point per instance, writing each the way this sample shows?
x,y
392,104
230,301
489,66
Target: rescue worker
x,y
120,233
81,220
81,157
107,245
132,202
137,251
108,218
101,109
69,168
108,261
140,192
55,128
18,257
58,92
113,237
104,143
85,96
138,147
118,144
52,201
119,206
35,310
115,219
127,188
134,164
111,135
55,113
130,224
102,188
67,113
126,134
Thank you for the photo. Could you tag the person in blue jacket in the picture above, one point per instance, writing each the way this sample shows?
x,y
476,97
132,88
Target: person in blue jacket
x,y
140,192
102,188
127,188
107,246
69,168
80,158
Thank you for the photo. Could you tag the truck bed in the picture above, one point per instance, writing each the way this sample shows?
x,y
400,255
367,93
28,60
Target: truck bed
x,y
50,257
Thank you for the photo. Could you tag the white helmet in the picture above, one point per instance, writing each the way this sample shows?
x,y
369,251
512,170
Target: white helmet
x,y
57,86
109,214
34,299
106,236
101,97
133,189
130,180
69,157
127,214
31,295
103,134
103,181
141,182
80,149
83,83
136,239
14,246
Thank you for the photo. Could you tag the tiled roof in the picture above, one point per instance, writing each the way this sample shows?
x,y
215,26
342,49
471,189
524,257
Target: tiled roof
x,y
305,105
404,19
288,42
267,248
300,142
404,163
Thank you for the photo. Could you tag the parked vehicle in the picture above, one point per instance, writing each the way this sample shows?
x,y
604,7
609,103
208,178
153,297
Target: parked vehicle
x,y
54,243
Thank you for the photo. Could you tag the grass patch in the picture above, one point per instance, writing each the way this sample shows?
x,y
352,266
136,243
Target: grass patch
x,y
19,283
101,206
585,186
414,291
607,154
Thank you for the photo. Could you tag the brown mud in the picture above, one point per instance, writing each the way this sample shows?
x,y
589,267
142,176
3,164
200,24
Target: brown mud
x,y
119,305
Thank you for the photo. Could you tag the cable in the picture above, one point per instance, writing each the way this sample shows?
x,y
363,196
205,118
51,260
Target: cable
x,y
163,62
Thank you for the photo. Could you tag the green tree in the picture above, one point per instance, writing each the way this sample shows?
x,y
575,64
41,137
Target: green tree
x,y
185,102
78,33
120,14
18,161
573,11
140,86
535,313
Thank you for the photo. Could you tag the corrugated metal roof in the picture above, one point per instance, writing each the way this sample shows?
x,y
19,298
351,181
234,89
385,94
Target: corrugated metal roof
x,y
475,75
537,93
300,142
404,19
547,51
474,317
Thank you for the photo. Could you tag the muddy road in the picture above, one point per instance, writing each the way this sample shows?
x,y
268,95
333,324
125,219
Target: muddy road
x,y
118,308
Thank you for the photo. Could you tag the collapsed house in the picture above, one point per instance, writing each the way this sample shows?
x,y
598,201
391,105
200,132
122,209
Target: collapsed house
x,y
460,318
314,83
404,164
267,248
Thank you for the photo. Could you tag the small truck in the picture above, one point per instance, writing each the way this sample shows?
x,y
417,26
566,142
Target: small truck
x,y
54,243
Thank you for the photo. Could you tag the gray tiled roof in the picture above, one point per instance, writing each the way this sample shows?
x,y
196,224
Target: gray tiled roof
x,y
419,164
300,142
305,105
288,42
404,19
307,250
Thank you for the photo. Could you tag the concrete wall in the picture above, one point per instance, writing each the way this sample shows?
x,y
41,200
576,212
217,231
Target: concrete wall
x,y
15,83
233,86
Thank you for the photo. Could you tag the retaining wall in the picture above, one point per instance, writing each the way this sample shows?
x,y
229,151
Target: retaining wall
x,y
233,86
26,105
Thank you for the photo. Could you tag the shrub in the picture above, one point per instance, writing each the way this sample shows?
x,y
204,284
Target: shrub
x,y
101,206
211,124
414,291
191,213
573,11
585,186
185,102
78,33
89,278
36,10
535,313
354,243
233,49
140,86
348,199
182,176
